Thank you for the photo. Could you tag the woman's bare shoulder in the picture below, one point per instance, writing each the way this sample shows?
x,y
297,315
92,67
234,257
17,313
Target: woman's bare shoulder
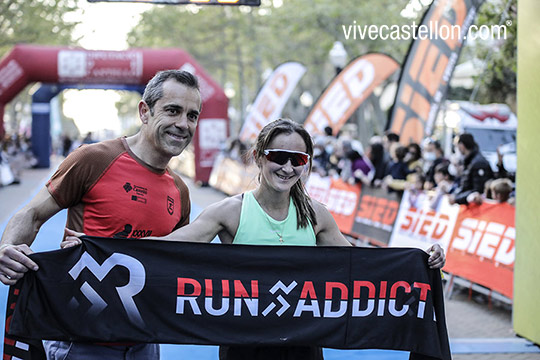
x,y
226,207
233,202
321,211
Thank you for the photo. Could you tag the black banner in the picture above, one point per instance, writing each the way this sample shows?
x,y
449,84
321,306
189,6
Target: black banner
x,y
119,290
428,67
376,215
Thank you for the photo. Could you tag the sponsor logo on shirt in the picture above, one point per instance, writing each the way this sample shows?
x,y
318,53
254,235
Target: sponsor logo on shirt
x,y
170,205
140,192
137,233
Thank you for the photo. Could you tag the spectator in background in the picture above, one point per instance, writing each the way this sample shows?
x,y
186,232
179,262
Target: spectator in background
x,y
236,150
332,150
375,154
444,184
362,169
444,181
337,161
475,174
433,156
414,157
344,164
398,170
15,157
88,139
66,145
501,190
501,170
415,185
388,141
6,173
321,158
328,140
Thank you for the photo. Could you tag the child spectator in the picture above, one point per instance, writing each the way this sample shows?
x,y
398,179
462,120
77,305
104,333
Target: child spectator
x,y
444,184
414,157
501,190
398,170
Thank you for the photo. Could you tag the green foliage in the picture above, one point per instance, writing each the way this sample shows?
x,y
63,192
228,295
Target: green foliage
x,y
237,45
35,22
32,22
497,84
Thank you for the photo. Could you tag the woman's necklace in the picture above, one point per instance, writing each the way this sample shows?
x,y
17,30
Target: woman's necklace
x,y
278,233
267,217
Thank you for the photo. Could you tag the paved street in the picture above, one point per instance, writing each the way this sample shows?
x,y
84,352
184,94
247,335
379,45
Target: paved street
x,y
476,329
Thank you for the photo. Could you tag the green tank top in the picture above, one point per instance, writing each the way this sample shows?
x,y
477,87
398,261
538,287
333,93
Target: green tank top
x,y
258,228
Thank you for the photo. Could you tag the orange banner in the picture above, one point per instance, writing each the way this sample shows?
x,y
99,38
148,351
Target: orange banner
x,y
348,90
340,198
482,247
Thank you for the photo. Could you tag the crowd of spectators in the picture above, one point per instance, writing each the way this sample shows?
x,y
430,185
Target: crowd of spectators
x,y
466,176
67,144
15,156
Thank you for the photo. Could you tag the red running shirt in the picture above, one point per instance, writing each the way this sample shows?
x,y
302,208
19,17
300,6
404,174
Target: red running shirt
x,y
110,192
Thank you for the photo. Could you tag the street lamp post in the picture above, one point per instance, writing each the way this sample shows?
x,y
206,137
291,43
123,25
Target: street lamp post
x,y
338,56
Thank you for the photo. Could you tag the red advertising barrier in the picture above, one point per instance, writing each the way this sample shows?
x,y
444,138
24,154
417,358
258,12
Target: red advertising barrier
x,y
479,240
421,222
482,247
376,215
360,211
340,198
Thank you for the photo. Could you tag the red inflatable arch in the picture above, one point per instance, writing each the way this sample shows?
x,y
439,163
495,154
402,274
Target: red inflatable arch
x,y
26,64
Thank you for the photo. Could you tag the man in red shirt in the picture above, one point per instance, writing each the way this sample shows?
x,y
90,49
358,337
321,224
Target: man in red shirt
x,y
121,187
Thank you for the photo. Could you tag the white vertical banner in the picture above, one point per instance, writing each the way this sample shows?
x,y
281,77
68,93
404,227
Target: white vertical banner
x,y
271,99
420,224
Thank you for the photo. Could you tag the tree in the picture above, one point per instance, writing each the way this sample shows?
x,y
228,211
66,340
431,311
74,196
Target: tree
x,y
236,45
499,82
36,22
496,82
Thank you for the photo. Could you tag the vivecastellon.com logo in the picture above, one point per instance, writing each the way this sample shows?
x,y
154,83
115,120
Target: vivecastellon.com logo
x,y
433,30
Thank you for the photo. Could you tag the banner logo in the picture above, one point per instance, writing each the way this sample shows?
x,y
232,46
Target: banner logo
x,y
137,276
100,66
170,205
486,239
271,99
368,298
284,304
348,91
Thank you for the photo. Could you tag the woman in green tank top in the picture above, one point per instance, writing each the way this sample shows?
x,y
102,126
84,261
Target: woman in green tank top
x,y
278,212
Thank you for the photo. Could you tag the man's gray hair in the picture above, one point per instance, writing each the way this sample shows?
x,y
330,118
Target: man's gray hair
x,y
154,89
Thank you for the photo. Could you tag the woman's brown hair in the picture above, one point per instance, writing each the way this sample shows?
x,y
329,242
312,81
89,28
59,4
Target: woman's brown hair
x,y
305,214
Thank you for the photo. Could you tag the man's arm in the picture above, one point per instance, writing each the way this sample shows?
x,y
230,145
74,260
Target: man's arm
x,y
20,233
223,215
